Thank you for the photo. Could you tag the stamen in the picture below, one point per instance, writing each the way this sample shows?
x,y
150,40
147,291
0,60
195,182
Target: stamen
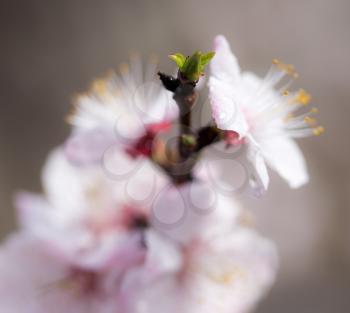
x,y
303,97
310,120
318,130
289,117
287,68
99,86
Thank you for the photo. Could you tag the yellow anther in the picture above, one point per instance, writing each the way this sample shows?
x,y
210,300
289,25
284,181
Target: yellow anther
x,y
290,69
309,120
99,86
227,278
314,110
287,68
303,97
318,130
285,93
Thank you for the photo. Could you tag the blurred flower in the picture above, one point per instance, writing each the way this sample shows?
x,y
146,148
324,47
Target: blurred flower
x,y
259,113
86,218
189,211
228,272
129,109
32,280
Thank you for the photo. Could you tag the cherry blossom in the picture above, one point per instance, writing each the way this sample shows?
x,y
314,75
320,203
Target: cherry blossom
x,y
260,113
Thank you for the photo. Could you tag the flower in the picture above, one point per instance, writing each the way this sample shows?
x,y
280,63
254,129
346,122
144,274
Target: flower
x,y
196,209
129,110
33,280
228,272
86,218
259,113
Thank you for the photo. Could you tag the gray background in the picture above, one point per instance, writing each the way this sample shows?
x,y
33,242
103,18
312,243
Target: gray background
x,y
51,49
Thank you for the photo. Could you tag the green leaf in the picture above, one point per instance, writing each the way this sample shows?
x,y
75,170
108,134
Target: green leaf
x,y
205,59
179,59
188,140
191,67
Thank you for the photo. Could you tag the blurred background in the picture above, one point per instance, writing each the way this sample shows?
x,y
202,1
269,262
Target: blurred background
x,y
52,49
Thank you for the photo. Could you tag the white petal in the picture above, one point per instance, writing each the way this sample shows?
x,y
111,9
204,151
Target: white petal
x,y
32,210
244,265
228,273
260,180
163,255
224,79
62,182
194,210
224,65
31,282
89,146
284,156
225,110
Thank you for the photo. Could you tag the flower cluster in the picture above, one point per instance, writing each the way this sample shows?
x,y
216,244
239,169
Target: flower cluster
x,y
128,222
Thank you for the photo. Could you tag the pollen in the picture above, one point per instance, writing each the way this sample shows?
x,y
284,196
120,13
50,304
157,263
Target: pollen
x,y
310,120
287,68
318,130
229,277
99,86
303,97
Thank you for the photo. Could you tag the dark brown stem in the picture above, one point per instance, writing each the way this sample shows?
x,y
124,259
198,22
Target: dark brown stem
x,y
206,136
185,96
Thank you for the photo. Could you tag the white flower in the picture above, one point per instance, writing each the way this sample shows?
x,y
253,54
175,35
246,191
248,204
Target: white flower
x,y
259,113
226,273
193,210
127,109
32,280
86,218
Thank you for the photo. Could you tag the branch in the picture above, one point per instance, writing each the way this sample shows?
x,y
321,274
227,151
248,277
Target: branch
x,y
190,143
206,136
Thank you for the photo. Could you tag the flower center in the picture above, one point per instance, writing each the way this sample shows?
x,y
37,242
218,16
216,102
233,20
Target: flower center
x,y
143,146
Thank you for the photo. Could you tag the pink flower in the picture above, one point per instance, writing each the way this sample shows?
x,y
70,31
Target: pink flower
x,y
259,114
86,218
226,273
193,210
32,280
129,110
